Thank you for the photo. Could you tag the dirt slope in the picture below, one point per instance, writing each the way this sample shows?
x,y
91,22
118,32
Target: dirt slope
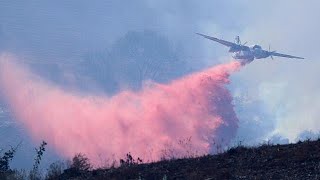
x,y
292,161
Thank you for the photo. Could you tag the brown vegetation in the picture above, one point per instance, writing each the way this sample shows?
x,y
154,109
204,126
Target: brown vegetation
x,y
292,161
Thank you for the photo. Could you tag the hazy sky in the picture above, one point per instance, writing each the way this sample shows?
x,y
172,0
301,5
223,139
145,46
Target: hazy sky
x,y
282,96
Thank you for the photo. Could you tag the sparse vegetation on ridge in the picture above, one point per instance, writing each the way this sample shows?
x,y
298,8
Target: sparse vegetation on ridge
x,y
290,161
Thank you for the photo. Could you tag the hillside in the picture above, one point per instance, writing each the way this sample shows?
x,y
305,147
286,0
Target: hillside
x,y
292,161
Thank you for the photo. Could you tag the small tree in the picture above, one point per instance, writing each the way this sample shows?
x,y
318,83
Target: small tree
x,y
80,163
55,170
7,158
40,152
129,161
34,174
77,167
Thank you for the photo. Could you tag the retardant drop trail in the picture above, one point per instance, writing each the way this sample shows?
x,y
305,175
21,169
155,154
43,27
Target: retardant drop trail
x,y
145,123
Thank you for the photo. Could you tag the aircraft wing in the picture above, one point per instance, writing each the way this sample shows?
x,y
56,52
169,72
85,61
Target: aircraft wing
x,y
285,55
223,42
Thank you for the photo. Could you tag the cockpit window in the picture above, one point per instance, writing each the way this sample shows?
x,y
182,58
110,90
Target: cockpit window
x,y
256,47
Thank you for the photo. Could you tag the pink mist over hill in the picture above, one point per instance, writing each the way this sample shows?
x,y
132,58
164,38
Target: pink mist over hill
x,y
144,123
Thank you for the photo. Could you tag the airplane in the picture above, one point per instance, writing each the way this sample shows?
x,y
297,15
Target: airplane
x,y
243,52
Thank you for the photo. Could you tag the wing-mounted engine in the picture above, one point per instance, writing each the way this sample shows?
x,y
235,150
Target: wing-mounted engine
x,y
256,47
237,46
259,53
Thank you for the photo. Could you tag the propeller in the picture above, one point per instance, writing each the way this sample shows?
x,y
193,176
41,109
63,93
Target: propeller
x,y
270,52
238,42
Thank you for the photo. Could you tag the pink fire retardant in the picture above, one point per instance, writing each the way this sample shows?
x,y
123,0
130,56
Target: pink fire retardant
x,y
147,123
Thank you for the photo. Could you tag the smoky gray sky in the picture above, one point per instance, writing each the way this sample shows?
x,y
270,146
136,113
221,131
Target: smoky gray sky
x,y
282,96
63,29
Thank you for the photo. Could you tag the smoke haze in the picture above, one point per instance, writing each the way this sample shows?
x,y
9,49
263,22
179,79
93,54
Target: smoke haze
x,y
273,99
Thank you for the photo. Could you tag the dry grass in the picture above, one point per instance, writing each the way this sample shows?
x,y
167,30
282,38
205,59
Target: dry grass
x,y
292,161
